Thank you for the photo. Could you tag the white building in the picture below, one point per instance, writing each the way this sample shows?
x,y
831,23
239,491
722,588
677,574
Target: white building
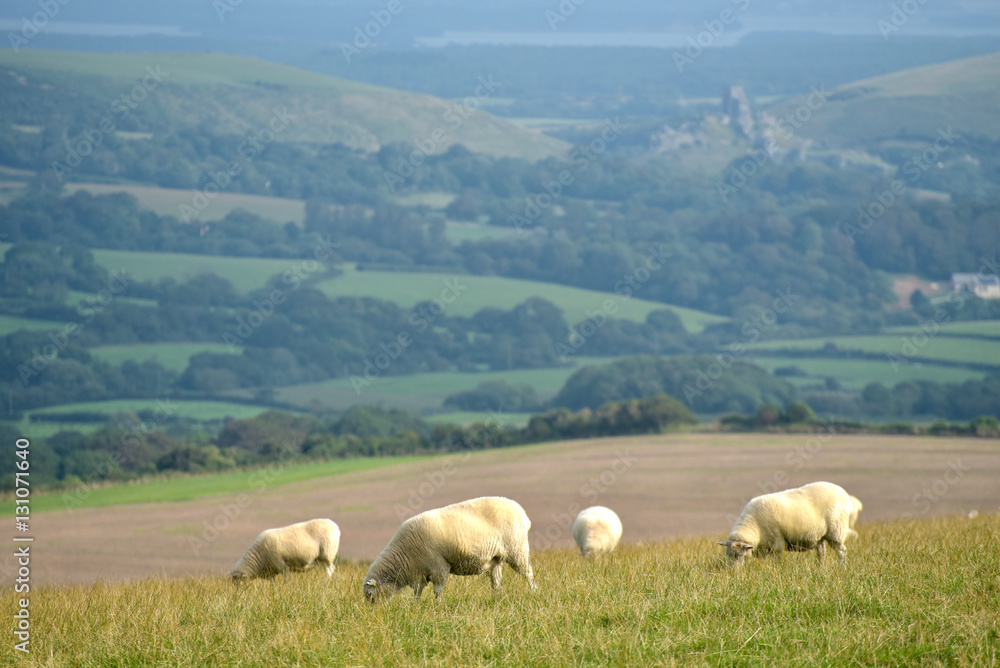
x,y
984,286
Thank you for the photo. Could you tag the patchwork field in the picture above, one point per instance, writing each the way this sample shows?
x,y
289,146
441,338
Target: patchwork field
x,y
661,486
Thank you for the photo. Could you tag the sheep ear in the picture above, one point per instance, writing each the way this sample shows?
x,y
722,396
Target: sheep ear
x,y
724,543
370,581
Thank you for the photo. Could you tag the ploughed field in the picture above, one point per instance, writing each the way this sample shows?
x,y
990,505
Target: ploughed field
x,y
663,486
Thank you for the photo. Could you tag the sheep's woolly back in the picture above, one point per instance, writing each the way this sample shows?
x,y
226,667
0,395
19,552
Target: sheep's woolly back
x,y
799,518
465,538
295,547
596,530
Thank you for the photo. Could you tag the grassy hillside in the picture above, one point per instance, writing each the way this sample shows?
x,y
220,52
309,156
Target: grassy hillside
x,y
910,593
244,92
912,103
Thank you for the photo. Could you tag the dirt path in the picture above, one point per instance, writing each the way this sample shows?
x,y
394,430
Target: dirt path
x,y
662,486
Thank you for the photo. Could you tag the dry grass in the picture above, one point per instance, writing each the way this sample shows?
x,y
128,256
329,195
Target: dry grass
x,y
910,593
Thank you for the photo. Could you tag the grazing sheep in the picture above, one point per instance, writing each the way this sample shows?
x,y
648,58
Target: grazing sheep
x,y
466,538
596,531
856,508
292,548
799,519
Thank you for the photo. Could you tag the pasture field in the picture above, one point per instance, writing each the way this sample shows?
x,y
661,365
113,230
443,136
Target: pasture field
x,y
403,288
519,420
12,323
909,593
855,374
422,391
968,327
245,273
459,232
167,201
953,349
477,292
664,486
173,356
196,409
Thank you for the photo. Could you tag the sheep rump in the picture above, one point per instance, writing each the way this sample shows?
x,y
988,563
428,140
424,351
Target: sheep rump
x,y
295,547
596,531
801,519
466,538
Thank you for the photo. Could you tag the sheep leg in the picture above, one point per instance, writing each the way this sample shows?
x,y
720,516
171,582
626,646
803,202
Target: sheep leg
x,y
820,551
496,574
521,564
438,582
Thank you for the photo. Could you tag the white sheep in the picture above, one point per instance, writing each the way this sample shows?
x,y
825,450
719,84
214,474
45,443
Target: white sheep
x,y
596,531
292,548
799,519
466,538
856,508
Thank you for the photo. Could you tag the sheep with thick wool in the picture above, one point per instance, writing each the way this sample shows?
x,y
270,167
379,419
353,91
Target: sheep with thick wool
x,y
466,538
295,547
801,519
597,531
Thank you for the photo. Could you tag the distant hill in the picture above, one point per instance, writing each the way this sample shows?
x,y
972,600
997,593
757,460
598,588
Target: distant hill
x,y
239,95
909,104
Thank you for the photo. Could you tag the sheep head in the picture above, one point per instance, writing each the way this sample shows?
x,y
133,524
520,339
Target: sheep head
x,y
376,590
736,550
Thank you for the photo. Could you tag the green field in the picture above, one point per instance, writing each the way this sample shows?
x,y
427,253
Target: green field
x,y
519,420
916,346
973,327
432,200
13,323
194,409
245,273
855,374
477,292
404,288
172,356
166,202
910,593
459,232
423,391
185,487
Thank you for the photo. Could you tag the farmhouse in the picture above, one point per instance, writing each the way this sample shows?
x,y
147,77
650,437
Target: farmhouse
x,y
984,286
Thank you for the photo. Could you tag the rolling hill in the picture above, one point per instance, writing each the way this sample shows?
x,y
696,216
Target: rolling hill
x,y
243,95
910,104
